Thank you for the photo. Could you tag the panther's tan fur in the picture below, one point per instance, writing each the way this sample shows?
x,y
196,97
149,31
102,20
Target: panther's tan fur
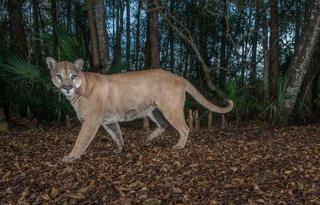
x,y
107,99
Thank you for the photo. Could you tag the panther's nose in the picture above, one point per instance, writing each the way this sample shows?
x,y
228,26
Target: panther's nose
x,y
67,87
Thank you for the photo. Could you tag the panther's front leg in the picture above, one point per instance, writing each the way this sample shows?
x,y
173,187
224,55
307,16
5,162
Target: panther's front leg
x,y
87,133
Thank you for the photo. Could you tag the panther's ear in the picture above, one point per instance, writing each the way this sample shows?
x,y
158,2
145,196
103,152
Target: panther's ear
x,y
79,63
51,62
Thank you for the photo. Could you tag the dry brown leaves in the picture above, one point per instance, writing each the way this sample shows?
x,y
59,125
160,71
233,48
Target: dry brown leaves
x,y
251,164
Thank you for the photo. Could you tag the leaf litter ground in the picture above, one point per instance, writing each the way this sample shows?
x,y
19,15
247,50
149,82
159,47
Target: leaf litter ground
x,y
247,164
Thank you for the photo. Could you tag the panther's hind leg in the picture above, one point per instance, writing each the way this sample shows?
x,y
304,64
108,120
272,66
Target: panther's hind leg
x,y
115,132
161,123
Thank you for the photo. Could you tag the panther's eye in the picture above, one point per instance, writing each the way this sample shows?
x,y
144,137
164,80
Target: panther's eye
x,y
73,76
59,76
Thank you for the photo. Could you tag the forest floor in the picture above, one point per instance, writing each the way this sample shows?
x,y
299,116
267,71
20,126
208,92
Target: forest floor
x,y
247,164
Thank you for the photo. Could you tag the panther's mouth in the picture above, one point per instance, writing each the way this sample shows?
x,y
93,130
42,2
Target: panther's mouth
x,y
68,92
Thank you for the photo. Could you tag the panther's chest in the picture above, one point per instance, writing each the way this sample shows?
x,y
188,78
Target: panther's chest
x,y
127,115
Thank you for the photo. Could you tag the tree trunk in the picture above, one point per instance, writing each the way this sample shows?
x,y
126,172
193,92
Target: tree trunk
x,y
253,73
36,29
196,120
302,56
154,35
223,60
79,23
54,17
315,93
203,40
3,123
305,95
274,49
265,42
128,35
94,39
137,50
190,119
103,36
117,47
297,22
147,54
68,122
224,122
2,36
69,22
209,120
17,33
171,40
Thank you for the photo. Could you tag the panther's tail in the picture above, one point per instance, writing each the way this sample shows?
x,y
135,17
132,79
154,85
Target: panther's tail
x,y
206,103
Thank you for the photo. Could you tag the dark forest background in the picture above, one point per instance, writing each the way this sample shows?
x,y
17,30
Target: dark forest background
x,y
262,54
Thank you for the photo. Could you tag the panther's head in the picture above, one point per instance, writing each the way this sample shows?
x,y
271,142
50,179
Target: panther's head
x,y
65,75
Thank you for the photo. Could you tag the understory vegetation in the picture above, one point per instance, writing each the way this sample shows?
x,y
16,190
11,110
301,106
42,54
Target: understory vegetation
x,y
231,42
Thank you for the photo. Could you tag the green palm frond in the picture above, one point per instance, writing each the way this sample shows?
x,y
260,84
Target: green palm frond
x,y
19,69
275,111
243,101
70,47
66,46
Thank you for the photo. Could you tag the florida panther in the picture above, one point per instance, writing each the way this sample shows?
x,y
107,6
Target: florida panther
x,y
108,99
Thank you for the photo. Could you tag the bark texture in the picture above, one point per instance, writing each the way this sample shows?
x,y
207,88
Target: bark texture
x,y
265,44
103,36
94,39
118,43
137,49
128,35
223,58
154,36
274,49
17,32
302,56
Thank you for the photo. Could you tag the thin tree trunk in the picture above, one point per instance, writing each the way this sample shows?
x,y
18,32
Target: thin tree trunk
x,y
2,36
297,22
79,23
255,43
128,35
302,56
147,54
315,93
265,43
94,39
274,49
171,40
203,40
54,17
69,22
114,20
36,29
103,36
3,122
190,119
17,33
154,36
117,49
209,120
223,60
196,120
137,50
